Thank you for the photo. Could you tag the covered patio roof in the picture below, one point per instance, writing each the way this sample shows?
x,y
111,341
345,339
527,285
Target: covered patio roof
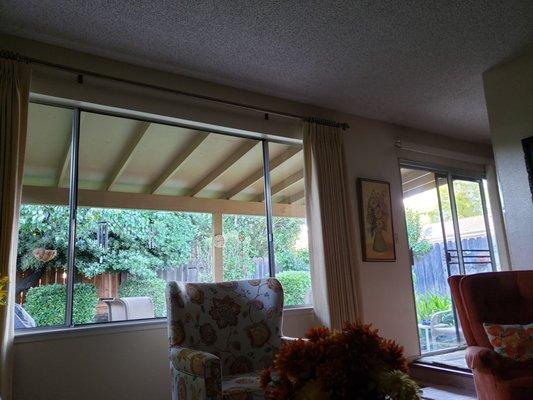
x,y
126,163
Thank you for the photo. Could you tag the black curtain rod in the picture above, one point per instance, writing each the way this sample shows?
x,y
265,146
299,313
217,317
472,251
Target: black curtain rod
x,y
81,72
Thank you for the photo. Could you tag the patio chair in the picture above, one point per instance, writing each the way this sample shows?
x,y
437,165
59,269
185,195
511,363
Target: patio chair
x,y
128,308
442,327
221,336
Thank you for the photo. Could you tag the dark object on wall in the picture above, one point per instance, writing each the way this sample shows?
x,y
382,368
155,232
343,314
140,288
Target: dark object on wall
x,y
375,212
527,144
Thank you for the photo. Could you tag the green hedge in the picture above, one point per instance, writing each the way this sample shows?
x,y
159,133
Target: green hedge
x,y
295,284
46,304
151,287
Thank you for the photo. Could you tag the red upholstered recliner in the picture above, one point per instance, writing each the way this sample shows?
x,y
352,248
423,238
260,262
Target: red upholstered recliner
x,y
501,298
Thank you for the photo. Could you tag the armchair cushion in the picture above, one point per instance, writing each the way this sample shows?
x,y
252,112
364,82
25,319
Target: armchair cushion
x,y
242,387
512,341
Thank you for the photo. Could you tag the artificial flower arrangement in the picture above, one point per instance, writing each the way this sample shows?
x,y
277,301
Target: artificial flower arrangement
x,y
351,363
3,290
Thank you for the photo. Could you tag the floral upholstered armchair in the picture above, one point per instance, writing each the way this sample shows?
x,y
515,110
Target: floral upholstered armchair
x,y
221,336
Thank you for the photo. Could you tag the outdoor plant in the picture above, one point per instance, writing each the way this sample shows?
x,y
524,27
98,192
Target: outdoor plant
x,y
46,304
151,287
295,284
351,363
430,303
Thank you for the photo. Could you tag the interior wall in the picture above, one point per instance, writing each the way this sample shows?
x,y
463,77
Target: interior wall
x,y
107,365
509,98
385,288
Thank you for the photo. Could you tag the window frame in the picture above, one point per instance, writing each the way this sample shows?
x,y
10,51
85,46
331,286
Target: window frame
x,y
79,107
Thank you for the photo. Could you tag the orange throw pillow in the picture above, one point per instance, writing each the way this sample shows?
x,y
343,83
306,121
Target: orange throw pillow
x,y
512,341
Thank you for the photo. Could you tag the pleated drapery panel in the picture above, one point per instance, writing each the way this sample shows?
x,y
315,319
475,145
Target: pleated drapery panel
x,y
331,226
14,93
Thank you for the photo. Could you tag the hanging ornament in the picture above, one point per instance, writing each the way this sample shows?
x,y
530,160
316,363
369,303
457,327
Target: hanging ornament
x,y
218,241
241,236
44,255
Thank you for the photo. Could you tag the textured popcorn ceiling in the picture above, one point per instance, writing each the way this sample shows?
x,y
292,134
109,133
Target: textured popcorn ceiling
x,y
415,63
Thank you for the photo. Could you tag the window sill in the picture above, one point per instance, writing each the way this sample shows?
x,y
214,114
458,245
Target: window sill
x,y
110,328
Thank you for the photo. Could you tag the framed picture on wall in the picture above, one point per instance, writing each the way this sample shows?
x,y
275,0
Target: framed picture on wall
x,y
527,144
375,215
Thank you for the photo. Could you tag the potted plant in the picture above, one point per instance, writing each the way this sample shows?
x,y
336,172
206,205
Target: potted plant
x,y
351,363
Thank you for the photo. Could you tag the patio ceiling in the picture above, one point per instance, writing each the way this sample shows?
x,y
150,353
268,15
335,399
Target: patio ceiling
x,y
119,155
416,181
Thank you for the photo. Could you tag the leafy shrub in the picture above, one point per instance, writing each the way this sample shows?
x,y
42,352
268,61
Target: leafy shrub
x,y
46,304
151,287
295,284
430,303
417,243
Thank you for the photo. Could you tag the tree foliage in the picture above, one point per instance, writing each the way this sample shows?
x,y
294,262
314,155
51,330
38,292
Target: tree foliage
x,y
139,242
246,240
467,200
417,243
143,242
296,285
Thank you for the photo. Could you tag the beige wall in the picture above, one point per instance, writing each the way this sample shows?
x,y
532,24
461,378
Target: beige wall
x,y
386,288
110,364
509,98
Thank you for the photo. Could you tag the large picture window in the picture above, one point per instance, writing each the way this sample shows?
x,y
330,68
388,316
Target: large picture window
x,y
115,207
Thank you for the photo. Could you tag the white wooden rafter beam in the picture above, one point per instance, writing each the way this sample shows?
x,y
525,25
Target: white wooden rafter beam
x,y
138,135
258,174
284,184
223,167
193,144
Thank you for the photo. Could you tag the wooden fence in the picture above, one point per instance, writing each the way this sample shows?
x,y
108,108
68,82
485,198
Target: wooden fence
x,y
430,271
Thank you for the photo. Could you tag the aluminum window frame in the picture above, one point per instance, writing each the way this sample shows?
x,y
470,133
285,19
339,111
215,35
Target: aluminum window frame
x,y
78,108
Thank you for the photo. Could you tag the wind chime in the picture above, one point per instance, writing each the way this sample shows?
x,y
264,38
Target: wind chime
x,y
151,235
41,253
102,236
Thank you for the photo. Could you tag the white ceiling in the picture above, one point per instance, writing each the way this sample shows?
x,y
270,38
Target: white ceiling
x,y
414,63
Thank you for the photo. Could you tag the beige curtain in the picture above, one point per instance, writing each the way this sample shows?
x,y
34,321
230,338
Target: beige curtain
x,y
331,228
14,91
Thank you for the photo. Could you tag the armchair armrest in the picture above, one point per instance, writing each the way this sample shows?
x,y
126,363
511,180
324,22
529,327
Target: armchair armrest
x,y
195,362
195,374
483,360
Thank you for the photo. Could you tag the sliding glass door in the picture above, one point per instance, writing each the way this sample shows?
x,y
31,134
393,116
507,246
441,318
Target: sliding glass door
x,y
449,233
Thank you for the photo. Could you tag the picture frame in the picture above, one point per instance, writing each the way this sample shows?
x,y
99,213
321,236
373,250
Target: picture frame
x,y
376,220
527,145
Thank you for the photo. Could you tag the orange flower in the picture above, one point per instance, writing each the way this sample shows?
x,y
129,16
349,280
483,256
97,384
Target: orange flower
x,y
341,364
